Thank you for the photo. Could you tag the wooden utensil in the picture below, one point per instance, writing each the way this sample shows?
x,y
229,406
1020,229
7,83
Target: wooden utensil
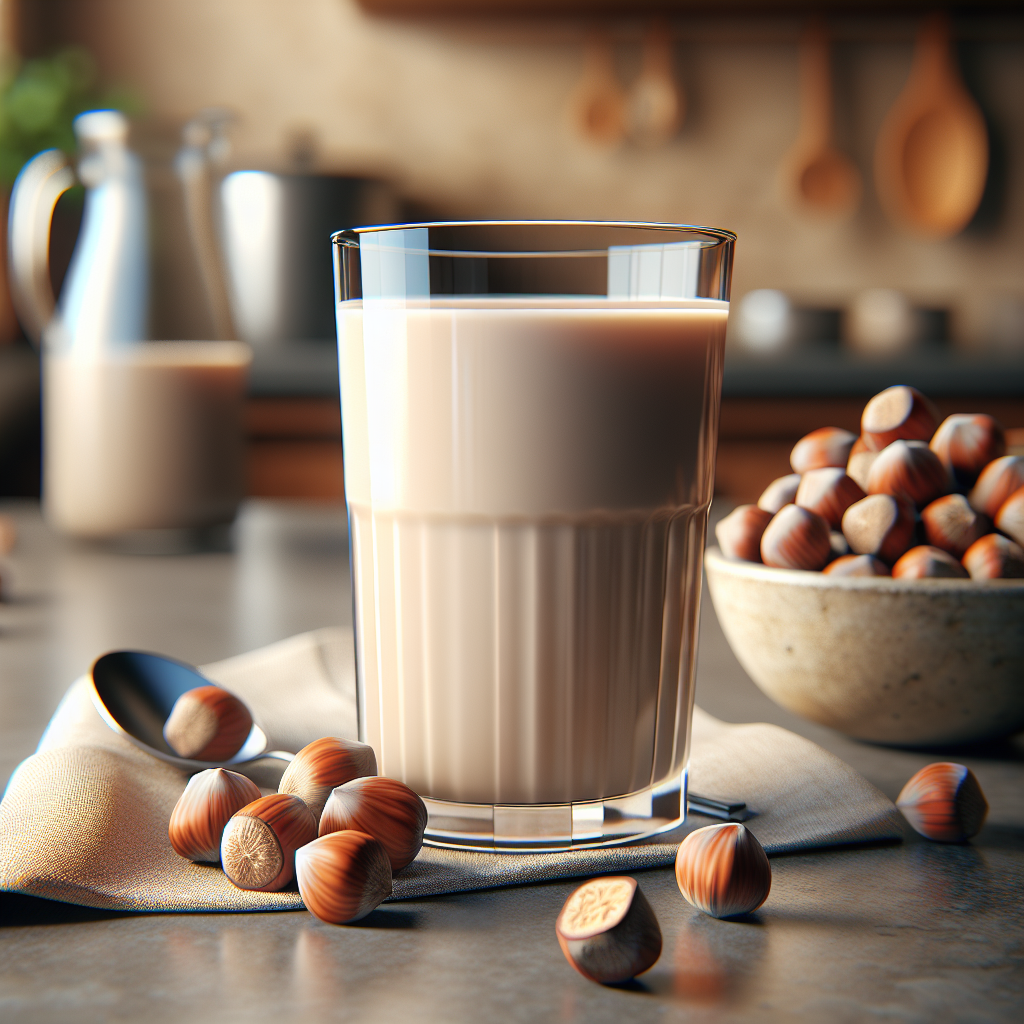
x,y
931,158
821,178
657,103
599,104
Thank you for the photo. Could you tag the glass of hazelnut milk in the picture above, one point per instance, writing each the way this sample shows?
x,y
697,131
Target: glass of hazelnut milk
x,y
530,416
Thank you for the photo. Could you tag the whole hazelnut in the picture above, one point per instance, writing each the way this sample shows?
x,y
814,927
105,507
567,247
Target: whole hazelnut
x,y
998,480
1010,517
323,764
198,819
994,557
343,876
257,849
739,533
899,413
778,493
860,462
829,492
927,562
796,539
723,870
944,802
857,565
967,442
951,524
879,525
207,724
826,446
384,808
608,931
909,470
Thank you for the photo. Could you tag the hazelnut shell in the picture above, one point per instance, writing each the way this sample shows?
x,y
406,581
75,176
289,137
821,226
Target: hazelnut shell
x,y
323,764
994,557
944,802
829,492
826,446
909,470
927,562
967,442
899,413
998,480
343,876
950,523
778,493
384,808
198,819
1010,517
257,849
207,723
608,931
739,533
857,565
796,539
723,870
879,525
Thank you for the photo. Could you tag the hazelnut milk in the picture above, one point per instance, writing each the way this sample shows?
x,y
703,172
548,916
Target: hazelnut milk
x,y
528,485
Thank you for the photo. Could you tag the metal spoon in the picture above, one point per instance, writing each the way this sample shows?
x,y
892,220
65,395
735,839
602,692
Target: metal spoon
x,y
134,692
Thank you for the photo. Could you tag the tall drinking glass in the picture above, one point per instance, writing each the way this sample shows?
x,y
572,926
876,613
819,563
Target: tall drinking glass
x,y
530,416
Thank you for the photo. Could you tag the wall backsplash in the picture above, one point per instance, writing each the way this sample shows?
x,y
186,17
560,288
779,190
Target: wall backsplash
x,y
473,120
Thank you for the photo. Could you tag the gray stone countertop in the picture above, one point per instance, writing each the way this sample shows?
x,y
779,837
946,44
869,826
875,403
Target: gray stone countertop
x,y
912,932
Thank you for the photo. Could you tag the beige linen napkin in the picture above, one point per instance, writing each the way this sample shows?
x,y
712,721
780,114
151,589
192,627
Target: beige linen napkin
x,y
84,819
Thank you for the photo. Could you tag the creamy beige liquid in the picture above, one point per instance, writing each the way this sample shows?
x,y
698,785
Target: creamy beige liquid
x,y
528,487
150,438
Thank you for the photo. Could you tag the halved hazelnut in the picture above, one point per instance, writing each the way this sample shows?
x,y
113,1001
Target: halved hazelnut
x,y
257,849
608,931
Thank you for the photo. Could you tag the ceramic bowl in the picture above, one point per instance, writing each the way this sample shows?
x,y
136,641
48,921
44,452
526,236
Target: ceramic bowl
x,y
904,662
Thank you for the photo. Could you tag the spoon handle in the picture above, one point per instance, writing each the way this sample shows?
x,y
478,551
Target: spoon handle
x,y
815,86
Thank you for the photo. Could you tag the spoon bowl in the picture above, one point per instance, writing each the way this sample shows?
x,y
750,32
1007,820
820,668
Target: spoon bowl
x,y
134,692
931,159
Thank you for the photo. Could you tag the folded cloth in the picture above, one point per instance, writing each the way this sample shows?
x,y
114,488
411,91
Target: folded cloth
x,y
84,819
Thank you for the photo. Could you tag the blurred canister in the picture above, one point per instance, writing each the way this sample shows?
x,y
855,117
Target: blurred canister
x,y
143,439
276,231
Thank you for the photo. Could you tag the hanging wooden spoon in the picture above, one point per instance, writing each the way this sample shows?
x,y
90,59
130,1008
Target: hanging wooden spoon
x,y
931,158
656,102
820,177
599,103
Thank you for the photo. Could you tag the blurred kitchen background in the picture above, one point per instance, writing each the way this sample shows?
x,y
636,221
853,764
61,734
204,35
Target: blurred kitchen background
x,y
687,111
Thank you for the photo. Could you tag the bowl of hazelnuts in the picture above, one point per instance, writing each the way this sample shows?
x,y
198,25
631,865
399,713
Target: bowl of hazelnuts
x,y
879,588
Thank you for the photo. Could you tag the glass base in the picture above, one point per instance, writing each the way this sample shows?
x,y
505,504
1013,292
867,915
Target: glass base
x,y
535,828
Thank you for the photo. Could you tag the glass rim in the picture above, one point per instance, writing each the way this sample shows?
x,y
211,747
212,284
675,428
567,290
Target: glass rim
x,y
349,237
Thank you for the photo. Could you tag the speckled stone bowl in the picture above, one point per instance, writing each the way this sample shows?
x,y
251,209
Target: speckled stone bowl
x,y
905,662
